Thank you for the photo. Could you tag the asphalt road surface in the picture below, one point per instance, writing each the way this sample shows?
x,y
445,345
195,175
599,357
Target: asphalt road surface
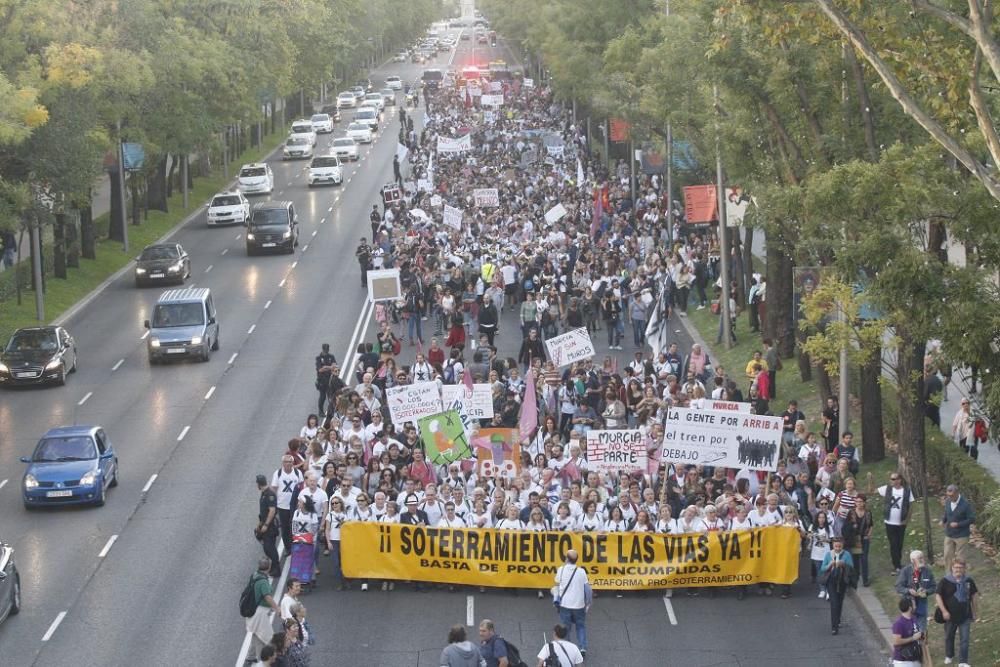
x,y
153,578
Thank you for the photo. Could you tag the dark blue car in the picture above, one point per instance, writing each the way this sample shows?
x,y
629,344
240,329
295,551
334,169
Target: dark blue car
x,y
71,465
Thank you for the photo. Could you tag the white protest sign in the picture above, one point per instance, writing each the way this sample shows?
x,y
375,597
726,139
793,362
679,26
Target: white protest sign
x,y
555,150
423,184
477,405
529,83
473,89
496,86
453,217
491,100
616,451
410,402
436,201
453,145
734,406
555,213
721,438
489,116
570,347
486,197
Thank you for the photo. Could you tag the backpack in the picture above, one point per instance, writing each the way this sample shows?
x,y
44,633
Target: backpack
x,y
449,373
552,660
513,655
248,599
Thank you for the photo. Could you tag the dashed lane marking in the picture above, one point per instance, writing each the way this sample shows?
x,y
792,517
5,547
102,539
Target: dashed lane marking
x,y
149,484
52,628
107,547
183,433
211,391
118,364
85,398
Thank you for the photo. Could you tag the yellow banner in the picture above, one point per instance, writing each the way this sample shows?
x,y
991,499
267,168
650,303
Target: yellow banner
x,y
526,559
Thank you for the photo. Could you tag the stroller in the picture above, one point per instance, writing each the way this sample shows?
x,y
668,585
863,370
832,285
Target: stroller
x,y
303,558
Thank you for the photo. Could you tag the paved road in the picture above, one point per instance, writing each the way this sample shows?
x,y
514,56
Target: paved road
x,y
166,591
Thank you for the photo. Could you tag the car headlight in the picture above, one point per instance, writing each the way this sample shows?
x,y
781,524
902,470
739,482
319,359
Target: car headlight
x,y
3,368
287,234
154,342
249,237
30,482
174,269
89,478
54,364
140,271
196,340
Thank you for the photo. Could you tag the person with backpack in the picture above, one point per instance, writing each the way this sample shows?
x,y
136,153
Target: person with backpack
x,y
571,595
492,646
460,652
559,652
256,605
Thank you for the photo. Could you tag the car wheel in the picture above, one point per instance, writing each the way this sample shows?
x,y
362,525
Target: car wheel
x,y
61,380
102,497
114,478
215,343
205,353
76,360
15,596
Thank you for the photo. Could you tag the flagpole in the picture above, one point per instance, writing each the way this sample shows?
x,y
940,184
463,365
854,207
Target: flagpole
x,y
723,240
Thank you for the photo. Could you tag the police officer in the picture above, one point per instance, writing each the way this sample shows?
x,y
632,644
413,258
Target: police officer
x,y
324,365
376,220
396,173
364,255
267,524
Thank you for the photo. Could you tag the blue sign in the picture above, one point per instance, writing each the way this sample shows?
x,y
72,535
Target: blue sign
x,y
135,156
683,156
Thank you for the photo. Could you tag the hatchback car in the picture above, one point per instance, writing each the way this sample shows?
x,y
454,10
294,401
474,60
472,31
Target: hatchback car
x,y
346,100
325,169
388,97
361,131
297,147
322,123
71,465
228,208
304,129
359,93
256,178
345,148
369,116
375,98
399,57
38,355
10,582
394,82
162,263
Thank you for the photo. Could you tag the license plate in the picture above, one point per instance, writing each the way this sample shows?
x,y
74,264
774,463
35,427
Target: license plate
x,y
26,375
268,245
175,350
58,494
155,275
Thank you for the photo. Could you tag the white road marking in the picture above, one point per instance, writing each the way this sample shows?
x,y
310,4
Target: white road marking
x,y
225,250
295,263
107,547
117,365
144,336
3,484
321,221
239,236
210,392
149,484
85,398
184,432
282,283
329,210
281,192
251,329
350,178
267,305
305,247
670,611
363,319
470,611
232,358
209,268
314,231
52,628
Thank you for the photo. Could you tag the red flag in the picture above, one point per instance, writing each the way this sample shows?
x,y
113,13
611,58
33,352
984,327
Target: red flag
x,y
528,421
467,380
595,223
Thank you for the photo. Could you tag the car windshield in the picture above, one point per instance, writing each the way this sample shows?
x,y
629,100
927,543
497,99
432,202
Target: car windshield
x,y
389,92
65,448
177,315
297,141
392,79
325,162
269,217
433,75
343,141
226,200
375,97
250,172
158,252
345,96
23,341
320,118
365,114
358,127
302,129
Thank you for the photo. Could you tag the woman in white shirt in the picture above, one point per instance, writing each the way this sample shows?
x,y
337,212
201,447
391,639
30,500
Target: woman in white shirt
x,y
480,516
564,519
643,524
664,522
690,522
510,521
335,518
616,522
317,457
536,521
741,521
590,521
820,538
308,432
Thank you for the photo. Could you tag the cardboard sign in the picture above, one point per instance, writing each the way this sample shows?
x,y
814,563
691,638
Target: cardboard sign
x,y
555,213
621,451
391,194
449,145
491,100
453,217
489,116
384,285
528,83
498,451
477,405
474,90
486,197
410,402
436,201
496,86
444,437
570,347
721,438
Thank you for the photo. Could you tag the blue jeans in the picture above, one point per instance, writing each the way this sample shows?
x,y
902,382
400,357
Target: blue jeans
x,y
413,322
579,616
616,329
338,573
963,639
638,332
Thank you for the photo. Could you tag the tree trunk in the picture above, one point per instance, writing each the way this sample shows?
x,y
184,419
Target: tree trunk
x,y
133,183
169,178
72,243
17,267
156,191
824,383
872,431
59,246
864,102
779,324
909,370
748,257
116,218
88,234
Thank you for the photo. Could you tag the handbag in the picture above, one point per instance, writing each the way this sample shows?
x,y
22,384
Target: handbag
x,y
938,616
911,652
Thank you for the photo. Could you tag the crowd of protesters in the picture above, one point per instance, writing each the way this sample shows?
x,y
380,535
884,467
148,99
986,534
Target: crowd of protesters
x,y
608,264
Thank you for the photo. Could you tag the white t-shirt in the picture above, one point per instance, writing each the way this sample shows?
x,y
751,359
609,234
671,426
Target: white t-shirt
x,y
318,496
445,522
284,485
567,652
286,606
572,583
896,504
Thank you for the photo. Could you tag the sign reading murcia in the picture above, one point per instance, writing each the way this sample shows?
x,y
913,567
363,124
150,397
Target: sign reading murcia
x,y
529,559
486,197
571,346
616,451
721,438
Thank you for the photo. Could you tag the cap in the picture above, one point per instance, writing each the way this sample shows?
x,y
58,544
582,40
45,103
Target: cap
x,y
261,480
412,499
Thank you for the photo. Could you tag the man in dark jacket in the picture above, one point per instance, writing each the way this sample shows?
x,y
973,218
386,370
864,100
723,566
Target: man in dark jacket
x,y
488,319
531,348
957,521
